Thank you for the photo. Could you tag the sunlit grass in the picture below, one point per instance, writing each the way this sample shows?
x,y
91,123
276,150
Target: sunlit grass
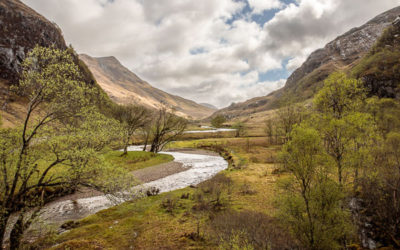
x,y
135,160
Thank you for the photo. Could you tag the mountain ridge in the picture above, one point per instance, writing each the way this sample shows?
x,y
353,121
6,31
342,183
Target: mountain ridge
x,y
341,53
125,87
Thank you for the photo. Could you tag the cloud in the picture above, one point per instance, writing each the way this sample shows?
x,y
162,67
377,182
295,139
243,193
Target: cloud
x,y
259,6
209,51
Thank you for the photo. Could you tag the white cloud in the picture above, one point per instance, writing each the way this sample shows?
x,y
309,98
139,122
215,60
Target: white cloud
x,y
206,50
259,6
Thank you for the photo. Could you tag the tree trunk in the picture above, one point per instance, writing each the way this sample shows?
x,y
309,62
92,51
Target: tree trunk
x,y
3,224
145,142
125,150
16,233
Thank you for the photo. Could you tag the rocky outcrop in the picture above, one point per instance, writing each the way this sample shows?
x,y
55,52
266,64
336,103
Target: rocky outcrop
x,y
21,29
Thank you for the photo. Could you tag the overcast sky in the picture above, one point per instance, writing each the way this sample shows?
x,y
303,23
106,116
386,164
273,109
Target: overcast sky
x,y
213,51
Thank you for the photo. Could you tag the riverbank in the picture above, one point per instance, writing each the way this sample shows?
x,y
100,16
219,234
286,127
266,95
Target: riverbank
x,y
171,220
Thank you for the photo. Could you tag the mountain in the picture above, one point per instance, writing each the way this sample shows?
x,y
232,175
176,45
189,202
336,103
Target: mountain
x,y
340,54
123,86
21,29
209,106
380,68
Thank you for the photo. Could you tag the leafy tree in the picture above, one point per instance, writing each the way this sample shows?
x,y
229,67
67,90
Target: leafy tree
x,y
311,201
132,118
166,128
218,121
337,103
57,147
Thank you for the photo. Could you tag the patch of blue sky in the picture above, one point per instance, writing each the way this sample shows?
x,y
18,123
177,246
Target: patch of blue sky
x,y
196,51
276,74
260,19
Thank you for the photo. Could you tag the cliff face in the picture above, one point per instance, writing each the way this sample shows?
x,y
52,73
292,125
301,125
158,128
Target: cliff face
x,y
124,87
21,28
340,54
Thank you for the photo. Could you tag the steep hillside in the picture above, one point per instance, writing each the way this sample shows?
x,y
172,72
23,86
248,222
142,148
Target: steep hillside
x,y
380,68
342,53
21,29
124,87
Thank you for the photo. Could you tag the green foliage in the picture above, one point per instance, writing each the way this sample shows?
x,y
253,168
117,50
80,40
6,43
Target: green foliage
x,y
60,144
218,121
339,95
311,201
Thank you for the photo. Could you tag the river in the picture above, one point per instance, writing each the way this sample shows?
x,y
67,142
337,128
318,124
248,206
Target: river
x,y
200,167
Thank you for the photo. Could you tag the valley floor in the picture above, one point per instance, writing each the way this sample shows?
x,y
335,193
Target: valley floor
x,y
177,219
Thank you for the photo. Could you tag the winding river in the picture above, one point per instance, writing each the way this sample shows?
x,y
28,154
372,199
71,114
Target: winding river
x,y
200,167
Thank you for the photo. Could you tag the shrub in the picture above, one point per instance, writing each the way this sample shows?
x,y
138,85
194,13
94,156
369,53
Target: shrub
x,y
152,191
213,194
169,204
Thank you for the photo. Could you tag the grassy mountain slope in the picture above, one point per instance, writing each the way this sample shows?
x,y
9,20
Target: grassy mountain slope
x,y
124,87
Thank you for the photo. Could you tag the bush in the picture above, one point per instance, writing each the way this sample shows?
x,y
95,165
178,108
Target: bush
x,y
218,121
152,191
169,204
213,194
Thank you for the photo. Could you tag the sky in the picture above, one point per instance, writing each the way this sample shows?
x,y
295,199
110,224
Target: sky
x,y
209,51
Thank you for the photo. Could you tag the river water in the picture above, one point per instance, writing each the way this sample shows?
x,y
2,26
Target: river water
x,y
199,168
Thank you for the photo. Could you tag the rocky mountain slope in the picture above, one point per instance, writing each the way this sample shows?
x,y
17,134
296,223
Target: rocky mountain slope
x,y
124,87
21,29
340,54
380,68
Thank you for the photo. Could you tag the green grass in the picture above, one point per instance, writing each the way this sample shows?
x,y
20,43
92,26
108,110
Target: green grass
x,y
146,224
135,160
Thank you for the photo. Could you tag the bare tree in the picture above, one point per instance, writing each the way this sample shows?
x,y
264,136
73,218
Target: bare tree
x,y
132,118
167,127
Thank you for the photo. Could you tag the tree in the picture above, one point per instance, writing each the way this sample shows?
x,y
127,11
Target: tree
x,y
166,127
240,128
269,129
311,201
131,118
56,148
288,116
337,102
377,198
218,121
